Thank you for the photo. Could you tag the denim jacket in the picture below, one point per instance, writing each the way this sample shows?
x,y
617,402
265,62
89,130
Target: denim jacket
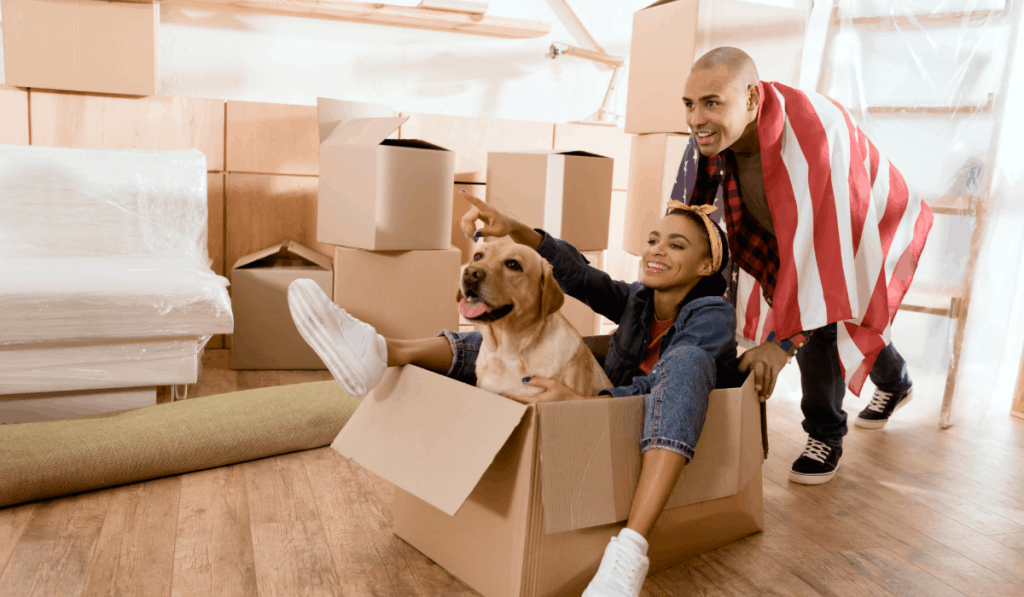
x,y
708,323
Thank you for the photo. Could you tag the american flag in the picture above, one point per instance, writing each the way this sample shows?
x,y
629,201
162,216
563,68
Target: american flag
x,y
850,230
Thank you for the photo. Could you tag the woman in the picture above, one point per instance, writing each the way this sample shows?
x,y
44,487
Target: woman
x,y
674,344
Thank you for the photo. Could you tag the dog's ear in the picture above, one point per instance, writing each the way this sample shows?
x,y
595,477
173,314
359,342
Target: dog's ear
x,y
551,296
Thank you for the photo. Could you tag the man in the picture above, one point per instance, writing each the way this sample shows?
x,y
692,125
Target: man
x,y
822,226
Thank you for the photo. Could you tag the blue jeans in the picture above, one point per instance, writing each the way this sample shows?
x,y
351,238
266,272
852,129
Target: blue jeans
x,y
675,391
824,387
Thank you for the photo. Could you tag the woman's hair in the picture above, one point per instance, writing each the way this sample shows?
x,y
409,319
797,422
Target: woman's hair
x,y
715,284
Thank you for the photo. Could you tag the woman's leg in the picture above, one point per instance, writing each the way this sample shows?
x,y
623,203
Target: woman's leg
x,y
658,475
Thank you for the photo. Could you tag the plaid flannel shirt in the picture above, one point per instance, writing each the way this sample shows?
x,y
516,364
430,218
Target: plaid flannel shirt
x,y
751,246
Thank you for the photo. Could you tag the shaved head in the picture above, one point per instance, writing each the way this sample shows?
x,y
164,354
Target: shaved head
x,y
738,63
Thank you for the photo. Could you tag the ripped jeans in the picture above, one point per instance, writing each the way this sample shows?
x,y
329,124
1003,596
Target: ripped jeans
x,y
675,391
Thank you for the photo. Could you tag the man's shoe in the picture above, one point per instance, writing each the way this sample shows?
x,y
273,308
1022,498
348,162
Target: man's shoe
x,y
882,406
816,465
353,351
623,567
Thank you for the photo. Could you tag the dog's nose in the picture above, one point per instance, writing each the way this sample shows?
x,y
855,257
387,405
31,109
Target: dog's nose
x,y
473,274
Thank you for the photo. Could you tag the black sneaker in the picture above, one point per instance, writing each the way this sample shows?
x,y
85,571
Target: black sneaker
x,y
816,465
882,405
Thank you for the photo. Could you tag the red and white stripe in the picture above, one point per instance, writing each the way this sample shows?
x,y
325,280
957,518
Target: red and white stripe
x,y
850,230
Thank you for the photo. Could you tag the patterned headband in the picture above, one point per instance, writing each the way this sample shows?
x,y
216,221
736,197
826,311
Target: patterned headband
x,y
713,237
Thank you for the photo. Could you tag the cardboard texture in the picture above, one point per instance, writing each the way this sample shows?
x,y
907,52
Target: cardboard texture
x,y
540,516
603,140
215,234
403,294
473,138
272,139
669,35
568,194
265,335
13,116
459,208
83,45
377,193
99,122
653,169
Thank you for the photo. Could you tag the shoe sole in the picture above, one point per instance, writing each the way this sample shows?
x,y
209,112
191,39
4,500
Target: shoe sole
x,y
805,479
337,357
879,423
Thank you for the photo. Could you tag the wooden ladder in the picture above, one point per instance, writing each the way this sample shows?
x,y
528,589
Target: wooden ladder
x,y
827,20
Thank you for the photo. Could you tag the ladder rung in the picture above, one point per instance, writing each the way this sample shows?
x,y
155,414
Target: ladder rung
x,y
889,23
919,110
956,205
932,301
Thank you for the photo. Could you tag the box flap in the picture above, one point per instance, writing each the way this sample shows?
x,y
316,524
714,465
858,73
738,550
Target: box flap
x,y
590,456
589,460
364,132
332,113
414,143
554,152
287,247
658,3
429,435
582,153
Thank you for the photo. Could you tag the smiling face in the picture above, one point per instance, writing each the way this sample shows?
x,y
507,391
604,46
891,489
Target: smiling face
x,y
721,113
677,254
508,282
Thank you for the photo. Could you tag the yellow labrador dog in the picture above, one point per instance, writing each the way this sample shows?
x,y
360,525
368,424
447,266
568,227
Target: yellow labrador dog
x,y
510,289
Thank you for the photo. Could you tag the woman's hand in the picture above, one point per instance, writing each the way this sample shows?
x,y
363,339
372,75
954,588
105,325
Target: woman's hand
x,y
767,360
553,392
495,222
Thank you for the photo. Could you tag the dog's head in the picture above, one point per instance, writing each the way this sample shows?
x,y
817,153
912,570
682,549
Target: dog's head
x,y
508,282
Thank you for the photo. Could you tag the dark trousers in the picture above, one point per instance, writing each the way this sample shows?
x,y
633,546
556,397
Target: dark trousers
x,y
824,387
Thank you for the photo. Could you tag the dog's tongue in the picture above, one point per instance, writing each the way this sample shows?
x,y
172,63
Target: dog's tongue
x,y
470,310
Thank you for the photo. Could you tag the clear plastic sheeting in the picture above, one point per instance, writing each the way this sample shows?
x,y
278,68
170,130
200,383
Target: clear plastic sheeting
x,y
102,245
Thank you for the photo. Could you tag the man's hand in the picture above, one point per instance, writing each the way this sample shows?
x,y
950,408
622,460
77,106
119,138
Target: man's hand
x,y
767,360
553,392
495,223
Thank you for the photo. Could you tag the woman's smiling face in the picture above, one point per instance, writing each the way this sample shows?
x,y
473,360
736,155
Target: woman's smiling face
x,y
677,253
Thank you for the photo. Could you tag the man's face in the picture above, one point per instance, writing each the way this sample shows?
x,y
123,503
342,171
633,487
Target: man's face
x,y
716,109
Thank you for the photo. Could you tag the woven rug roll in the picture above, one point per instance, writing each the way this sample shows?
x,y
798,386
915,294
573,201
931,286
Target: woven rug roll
x,y
55,458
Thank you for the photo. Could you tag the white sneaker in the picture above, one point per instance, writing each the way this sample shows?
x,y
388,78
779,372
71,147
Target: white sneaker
x,y
355,354
623,568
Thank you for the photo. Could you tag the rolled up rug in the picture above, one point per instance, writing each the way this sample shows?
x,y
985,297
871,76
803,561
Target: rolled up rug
x,y
54,458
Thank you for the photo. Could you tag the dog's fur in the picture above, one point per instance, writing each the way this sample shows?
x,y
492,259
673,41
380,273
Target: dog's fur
x,y
533,339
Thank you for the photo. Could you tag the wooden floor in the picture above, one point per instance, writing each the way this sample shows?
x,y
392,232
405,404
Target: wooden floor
x,y
913,511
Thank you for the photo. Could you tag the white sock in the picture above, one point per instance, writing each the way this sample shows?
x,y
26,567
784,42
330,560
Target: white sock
x,y
635,539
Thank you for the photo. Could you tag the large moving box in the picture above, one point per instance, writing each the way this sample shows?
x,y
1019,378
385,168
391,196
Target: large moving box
x,y
265,335
403,294
83,45
521,501
654,166
377,193
669,35
567,193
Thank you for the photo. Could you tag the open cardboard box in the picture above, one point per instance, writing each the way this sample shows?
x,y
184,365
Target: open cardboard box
x,y
519,500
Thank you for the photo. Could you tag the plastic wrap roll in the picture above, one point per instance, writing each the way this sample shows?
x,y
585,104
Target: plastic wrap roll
x,y
54,458
105,244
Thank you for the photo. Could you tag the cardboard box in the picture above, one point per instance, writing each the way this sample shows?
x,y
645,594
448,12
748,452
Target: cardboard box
x,y
13,116
670,35
473,138
102,122
83,45
272,138
653,169
610,141
567,193
265,335
377,193
403,294
521,501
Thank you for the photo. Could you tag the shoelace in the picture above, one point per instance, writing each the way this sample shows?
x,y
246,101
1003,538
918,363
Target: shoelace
x,y
816,450
623,567
879,400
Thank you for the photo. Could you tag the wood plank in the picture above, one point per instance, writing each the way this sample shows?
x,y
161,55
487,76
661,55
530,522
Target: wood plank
x,y
1011,540
272,139
13,116
384,14
135,551
472,138
891,572
291,549
608,141
213,555
13,521
64,119
263,210
1018,390
53,554
215,234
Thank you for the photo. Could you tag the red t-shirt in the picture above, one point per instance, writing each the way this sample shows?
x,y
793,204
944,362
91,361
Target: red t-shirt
x,y
658,329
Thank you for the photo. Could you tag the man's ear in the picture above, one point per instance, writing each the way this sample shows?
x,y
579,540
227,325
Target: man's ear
x,y
753,97
551,296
